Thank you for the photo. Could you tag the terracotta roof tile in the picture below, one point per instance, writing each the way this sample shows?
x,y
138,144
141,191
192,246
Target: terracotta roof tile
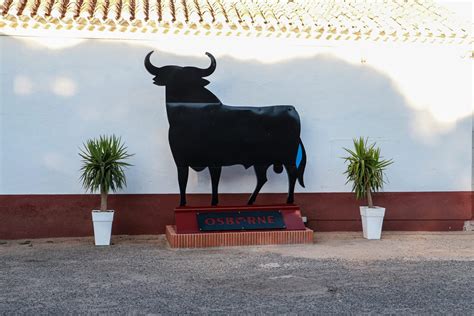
x,y
421,20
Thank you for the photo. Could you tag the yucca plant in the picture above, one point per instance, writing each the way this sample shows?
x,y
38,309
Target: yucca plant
x,y
365,169
103,166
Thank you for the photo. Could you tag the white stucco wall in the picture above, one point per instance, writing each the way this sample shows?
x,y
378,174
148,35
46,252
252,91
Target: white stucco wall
x,y
414,100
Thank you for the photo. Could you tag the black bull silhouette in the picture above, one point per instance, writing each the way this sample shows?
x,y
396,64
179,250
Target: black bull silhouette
x,y
204,133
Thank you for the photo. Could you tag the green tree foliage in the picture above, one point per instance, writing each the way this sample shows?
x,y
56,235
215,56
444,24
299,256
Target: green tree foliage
x,y
103,166
365,169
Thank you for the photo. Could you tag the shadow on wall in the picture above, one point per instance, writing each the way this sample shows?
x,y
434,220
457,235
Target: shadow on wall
x,y
53,100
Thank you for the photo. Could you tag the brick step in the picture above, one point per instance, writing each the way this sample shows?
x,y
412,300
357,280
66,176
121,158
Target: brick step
x,y
247,238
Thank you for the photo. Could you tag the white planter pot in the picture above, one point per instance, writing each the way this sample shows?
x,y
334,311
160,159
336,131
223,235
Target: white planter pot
x,y
372,220
102,226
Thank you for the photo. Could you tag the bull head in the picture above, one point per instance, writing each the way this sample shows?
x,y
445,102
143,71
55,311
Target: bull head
x,y
180,77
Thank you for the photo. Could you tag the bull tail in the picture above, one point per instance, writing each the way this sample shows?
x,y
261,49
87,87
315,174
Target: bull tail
x,y
300,163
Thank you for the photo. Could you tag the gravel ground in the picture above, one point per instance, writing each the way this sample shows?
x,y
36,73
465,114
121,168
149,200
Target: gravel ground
x,y
340,273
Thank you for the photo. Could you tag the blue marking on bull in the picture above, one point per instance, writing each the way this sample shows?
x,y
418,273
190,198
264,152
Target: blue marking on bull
x,y
299,156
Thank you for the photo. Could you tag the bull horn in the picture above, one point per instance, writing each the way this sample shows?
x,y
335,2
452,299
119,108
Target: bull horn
x,y
211,68
149,66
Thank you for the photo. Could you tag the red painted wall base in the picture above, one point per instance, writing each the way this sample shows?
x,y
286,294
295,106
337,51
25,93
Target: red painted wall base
x,y
43,216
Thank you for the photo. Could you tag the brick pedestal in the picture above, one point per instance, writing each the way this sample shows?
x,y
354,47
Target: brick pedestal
x,y
247,238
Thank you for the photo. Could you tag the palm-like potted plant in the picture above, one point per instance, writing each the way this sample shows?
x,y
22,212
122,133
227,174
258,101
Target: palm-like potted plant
x,y
365,170
103,171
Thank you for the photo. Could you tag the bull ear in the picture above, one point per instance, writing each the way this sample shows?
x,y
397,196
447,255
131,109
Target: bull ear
x,y
160,81
203,82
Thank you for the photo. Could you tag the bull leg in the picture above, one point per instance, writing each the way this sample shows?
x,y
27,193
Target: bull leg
x,y
292,176
261,173
215,176
183,181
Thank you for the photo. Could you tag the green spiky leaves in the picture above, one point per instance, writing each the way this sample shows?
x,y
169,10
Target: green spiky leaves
x,y
103,164
365,168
